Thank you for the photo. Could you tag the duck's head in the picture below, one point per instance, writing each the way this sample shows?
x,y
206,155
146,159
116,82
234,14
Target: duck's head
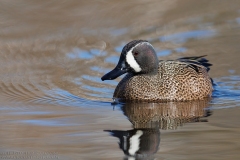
x,y
137,57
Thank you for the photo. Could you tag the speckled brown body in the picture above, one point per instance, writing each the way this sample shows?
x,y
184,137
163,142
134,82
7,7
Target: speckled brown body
x,y
175,81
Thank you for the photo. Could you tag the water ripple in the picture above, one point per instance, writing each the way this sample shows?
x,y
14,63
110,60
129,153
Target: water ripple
x,y
227,92
184,36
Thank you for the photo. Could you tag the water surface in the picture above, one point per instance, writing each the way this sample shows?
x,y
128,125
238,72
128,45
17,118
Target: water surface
x,y
54,104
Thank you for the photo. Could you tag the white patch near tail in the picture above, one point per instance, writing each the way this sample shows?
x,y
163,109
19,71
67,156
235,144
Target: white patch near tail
x,y
134,143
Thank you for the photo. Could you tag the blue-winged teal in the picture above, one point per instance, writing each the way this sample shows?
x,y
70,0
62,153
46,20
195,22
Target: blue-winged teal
x,y
149,79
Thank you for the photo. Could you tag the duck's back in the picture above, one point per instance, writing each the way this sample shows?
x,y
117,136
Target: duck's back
x,y
177,80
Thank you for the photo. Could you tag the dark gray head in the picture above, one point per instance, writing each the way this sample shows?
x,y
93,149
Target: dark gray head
x,y
137,57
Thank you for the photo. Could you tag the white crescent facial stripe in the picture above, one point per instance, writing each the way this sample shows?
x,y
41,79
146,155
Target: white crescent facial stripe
x,y
132,62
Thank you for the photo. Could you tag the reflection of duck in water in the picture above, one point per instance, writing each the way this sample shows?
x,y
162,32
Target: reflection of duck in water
x,y
140,143
165,115
149,79
143,141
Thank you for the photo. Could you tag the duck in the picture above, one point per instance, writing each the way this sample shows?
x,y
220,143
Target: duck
x,y
152,80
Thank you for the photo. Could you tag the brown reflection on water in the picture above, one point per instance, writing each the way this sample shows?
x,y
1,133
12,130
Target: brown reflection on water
x,y
143,141
165,115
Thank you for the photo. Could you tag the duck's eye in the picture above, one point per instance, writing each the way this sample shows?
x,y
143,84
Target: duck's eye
x,y
135,53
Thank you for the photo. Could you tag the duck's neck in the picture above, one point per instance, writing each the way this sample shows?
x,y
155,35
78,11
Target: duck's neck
x,y
150,71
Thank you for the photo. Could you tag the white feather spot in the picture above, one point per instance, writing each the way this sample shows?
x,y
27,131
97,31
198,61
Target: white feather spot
x,y
134,143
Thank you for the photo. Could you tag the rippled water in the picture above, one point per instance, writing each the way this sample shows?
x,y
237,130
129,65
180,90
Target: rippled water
x,y
53,104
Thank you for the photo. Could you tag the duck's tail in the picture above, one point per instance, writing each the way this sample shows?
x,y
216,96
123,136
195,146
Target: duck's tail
x,y
199,60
